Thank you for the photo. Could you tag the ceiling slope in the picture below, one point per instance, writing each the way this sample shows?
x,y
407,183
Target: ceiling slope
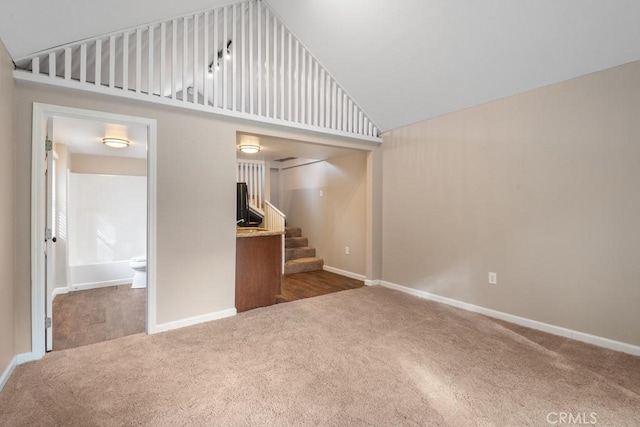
x,y
409,60
402,61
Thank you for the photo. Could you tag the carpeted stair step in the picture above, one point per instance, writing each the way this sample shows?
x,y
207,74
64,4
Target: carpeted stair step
x,y
301,252
302,265
295,242
292,232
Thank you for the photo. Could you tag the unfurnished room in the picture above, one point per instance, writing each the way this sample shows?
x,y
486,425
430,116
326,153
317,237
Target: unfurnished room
x,y
336,213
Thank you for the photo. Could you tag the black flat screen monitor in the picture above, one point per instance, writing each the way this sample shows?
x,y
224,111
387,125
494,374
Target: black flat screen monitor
x,y
242,204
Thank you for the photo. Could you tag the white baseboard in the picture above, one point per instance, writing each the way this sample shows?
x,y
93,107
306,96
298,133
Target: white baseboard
x,y
533,324
375,282
344,273
26,357
163,327
8,371
60,291
95,285
18,359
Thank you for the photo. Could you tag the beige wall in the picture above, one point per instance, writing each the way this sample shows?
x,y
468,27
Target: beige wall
x,y
108,165
7,258
338,217
196,200
541,188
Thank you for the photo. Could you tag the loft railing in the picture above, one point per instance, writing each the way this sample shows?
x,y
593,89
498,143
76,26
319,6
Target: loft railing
x,y
274,220
237,60
253,173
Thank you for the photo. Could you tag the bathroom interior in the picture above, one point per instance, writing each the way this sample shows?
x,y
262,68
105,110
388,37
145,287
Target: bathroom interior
x,y
100,225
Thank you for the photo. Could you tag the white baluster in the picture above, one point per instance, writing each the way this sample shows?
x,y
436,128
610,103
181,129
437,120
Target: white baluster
x,y
205,61
195,60
138,59
281,71
163,57
216,59
83,63
251,60
266,63
259,65
67,64
234,60
174,58
150,62
185,57
98,63
125,62
296,86
243,84
303,88
112,62
223,60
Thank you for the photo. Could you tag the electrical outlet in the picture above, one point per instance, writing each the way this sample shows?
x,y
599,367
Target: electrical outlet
x,y
321,193
493,278
346,250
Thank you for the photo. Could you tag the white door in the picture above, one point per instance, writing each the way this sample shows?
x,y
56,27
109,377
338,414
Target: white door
x,y
50,239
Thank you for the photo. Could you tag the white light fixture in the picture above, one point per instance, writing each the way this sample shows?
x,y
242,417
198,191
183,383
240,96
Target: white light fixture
x,y
249,148
115,142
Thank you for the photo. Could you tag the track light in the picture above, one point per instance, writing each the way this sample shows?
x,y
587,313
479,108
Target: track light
x,y
218,59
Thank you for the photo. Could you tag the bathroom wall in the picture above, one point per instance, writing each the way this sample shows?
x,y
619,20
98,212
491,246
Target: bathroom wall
x,y
60,227
108,165
106,227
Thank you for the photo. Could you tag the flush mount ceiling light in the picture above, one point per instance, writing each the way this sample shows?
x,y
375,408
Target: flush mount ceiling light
x,y
115,142
249,148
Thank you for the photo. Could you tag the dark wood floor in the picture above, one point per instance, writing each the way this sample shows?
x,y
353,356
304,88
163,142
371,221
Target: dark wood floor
x,y
95,315
314,283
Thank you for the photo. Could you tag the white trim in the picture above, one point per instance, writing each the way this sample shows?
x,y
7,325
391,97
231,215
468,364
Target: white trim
x,y
8,371
71,84
95,285
59,291
375,282
152,209
522,321
190,321
26,358
41,112
344,273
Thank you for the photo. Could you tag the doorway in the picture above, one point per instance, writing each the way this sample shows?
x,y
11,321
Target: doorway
x,y
99,267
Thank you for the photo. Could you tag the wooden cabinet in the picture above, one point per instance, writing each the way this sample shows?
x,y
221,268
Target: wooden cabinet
x,y
258,270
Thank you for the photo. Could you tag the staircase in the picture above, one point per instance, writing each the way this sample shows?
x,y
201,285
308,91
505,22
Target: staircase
x,y
299,256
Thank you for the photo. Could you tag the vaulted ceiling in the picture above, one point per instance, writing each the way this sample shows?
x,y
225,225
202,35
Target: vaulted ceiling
x,y
402,60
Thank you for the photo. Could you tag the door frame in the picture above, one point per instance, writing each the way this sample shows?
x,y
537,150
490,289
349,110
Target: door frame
x,y
42,112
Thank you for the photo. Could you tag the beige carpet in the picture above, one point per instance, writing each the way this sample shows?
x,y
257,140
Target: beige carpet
x,y
369,356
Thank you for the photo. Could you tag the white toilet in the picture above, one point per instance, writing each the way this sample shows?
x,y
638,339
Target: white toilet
x,y
139,266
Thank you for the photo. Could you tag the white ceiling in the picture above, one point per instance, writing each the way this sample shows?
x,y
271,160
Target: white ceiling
x,y
402,60
278,148
85,137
